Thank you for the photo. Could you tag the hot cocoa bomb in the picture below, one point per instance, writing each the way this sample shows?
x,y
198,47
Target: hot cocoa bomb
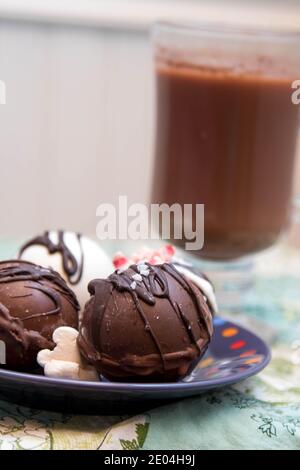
x,y
146,323
34,301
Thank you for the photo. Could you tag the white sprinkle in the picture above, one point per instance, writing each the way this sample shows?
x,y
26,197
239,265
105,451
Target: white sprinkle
x,y
137,277
145,272
133,285
142,267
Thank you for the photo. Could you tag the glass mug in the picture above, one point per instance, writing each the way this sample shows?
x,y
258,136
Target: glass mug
x,y
226,131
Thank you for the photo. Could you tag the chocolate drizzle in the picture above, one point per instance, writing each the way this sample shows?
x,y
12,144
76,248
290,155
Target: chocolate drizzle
x,y
148,289
16,272
14,329
153,286
187,268
70,264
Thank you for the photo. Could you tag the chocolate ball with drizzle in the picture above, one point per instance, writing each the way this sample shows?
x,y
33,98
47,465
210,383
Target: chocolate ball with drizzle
x,y
146,323
34,301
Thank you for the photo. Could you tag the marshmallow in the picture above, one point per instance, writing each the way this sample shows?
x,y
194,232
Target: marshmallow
x,y
65,361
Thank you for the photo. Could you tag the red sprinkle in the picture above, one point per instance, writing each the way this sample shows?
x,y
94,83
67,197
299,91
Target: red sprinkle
x,y
169,251
119,260
164,254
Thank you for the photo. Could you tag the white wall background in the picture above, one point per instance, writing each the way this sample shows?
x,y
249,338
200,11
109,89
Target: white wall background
x,y
77,128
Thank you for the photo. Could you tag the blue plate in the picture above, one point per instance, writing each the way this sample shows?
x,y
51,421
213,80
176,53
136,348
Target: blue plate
x,y
233,355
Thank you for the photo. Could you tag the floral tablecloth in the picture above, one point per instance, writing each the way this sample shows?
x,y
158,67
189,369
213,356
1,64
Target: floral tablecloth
x,y
260,413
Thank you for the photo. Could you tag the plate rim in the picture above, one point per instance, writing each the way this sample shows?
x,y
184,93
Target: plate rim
x,y
154,387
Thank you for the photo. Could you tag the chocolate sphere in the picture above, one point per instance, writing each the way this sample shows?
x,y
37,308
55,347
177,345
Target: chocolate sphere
x,y
146,323
34,301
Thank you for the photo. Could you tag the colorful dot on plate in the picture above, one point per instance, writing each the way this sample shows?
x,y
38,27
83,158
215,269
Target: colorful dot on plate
x,y
253,360
205,362
251,352
238,344
228,332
